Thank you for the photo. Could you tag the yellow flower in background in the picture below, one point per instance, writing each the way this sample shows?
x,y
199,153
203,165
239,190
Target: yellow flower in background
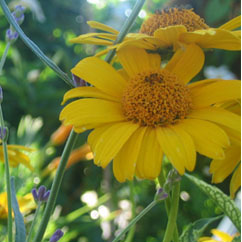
x,y
223,237
26,204
16,155
231,163
169,28
144,111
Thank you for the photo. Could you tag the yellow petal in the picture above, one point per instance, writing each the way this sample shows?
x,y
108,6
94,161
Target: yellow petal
x,y
223,168
82,37
235,182
172,143
220,91
125,162
209,139
217,115
186,63
100,74
20,147
107,141
135,60
100,26
92,41
170,35
87,92
222,235
150,156
212,38
86,111
232,24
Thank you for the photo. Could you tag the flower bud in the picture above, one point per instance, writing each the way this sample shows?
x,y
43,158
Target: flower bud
x,y
41,195
160,194
18,14
56,236
11,35
78,82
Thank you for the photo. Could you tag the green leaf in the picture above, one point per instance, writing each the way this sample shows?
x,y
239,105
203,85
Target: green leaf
x,y
225,203
194,231
237,239
18,218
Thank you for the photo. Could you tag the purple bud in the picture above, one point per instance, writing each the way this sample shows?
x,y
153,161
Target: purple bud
x,y
35,194
11,35
161,194
78,82
3,133
56,236
41,192
46,196
18,14
1,94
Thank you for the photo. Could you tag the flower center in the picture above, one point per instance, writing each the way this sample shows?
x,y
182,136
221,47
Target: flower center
x,y
156,98
171,17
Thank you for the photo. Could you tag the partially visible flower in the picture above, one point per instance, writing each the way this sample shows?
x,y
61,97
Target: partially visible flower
x,y
26,204
40,195
56,236
169,28
231,163
82,153
222,237
219,72
61,134
151,110
17,156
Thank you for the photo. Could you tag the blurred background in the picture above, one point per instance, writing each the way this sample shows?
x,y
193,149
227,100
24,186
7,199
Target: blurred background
x,y
92,205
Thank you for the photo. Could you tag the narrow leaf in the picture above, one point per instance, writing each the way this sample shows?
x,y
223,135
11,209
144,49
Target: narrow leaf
x,y
18,218
194,231
225,203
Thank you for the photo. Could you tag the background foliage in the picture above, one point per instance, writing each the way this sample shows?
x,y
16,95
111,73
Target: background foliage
x,y
32,97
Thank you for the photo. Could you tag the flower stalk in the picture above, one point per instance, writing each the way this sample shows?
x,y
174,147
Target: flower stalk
x,y
4,56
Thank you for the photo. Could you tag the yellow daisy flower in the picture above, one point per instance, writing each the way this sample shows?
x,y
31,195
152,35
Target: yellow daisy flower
x,y
26,204
146,111
223,237
169,28
231,163
16,155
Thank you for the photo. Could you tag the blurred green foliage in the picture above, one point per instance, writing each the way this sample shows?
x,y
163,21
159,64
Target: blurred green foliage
x,y
32,97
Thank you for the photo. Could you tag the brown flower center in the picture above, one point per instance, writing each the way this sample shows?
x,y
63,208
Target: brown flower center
x,y
156,98
171,17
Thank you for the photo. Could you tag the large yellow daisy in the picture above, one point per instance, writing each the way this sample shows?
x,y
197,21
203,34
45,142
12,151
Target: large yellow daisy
x,y
169,28
231,163
145,111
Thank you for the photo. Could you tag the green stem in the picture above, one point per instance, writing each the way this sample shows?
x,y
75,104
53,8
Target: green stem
x,y
135,220
132,230
34,222
3,59
126,27
33,46
7,174
56,186
173,213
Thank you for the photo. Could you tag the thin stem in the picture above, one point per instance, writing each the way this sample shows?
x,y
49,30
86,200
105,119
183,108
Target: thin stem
x,y
126,27
56,186
3,59
33,46
135,220
173,213
132,230
34,222
7,175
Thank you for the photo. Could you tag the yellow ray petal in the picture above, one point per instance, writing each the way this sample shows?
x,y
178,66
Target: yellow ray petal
x,y
232,24
212,38
92,41
135,60
217,115
222,235
221,91
86,111
107,141
223,168
186,63
209,139
125,162
172,143
87,92
170,35
20,147
235,182
83,37
150,156
100,74
97,25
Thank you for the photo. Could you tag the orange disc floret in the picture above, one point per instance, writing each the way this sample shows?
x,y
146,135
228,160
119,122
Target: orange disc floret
x,y
171,17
